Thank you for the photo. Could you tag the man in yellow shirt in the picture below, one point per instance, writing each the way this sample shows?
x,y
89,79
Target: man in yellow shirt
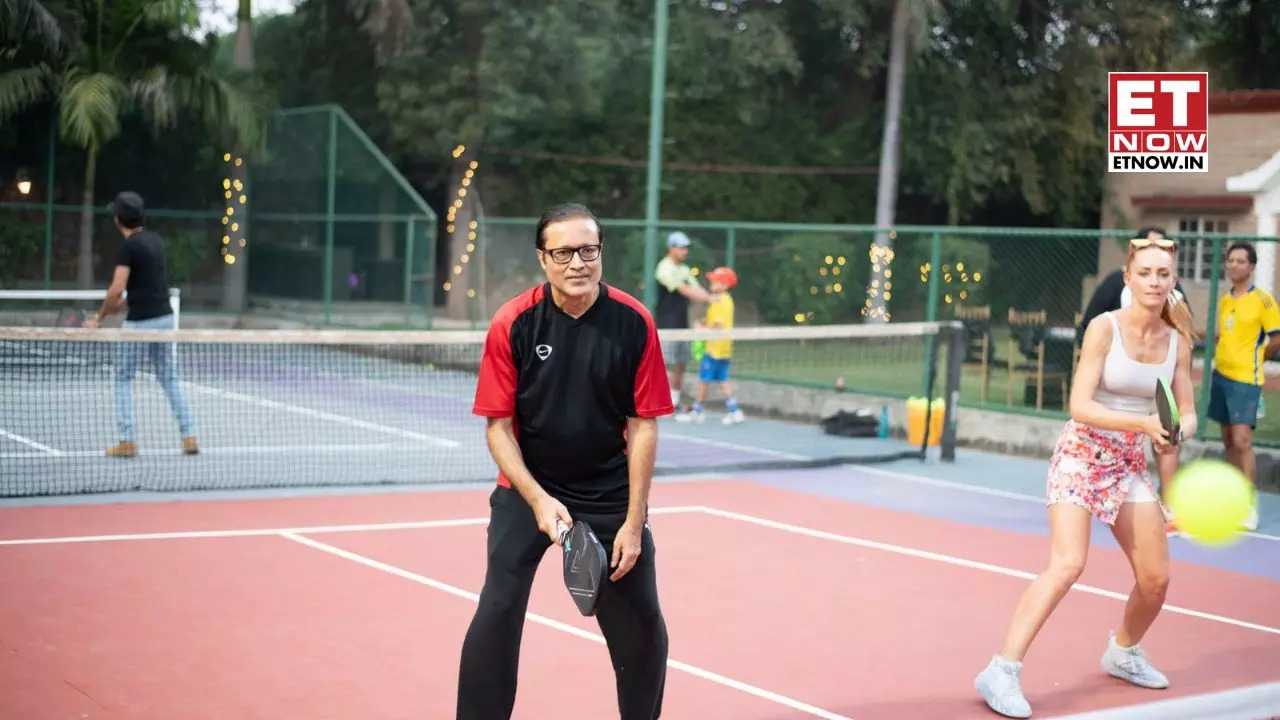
x,y
719,352
1248,334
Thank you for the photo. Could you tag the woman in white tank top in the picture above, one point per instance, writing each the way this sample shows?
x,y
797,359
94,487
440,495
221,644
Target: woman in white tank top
x,y
1099,470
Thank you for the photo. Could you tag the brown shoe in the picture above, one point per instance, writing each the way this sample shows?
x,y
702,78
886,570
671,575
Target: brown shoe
x,y
189,446
124,448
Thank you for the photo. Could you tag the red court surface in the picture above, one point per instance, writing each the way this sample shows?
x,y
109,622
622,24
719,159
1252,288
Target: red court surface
x,y
779,605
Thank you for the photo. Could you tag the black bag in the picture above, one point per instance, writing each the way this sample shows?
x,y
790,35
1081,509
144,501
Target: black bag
x,y
860,423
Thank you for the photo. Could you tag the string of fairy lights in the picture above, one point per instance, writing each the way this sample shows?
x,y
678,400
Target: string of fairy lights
x,y
236,198
467,178
949,277
832,266
881,258
958,280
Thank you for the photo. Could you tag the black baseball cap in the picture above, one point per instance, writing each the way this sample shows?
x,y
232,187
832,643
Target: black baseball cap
x,y
127,206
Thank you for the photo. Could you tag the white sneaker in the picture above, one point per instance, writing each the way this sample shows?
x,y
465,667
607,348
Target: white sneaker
x,y
1001,687
1130,664
733,418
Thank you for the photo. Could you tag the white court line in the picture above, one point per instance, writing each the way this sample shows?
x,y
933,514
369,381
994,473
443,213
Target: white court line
x,y
910,477
286,407
1242,703
685,509
735,446
978,489
962,562
308,530
218,450
568,629
950,484
45,450
321,414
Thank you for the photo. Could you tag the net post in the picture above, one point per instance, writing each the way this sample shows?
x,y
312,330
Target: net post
x,y
175,304
930,379
730,245
931,307
956,338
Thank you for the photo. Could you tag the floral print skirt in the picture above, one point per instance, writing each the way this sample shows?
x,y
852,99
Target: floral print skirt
x,y
1094,469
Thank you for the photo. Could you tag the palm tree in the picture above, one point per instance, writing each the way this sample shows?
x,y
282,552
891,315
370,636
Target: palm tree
x,y
123,56
28,20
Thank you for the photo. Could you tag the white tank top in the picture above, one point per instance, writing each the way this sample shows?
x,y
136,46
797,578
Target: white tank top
x,y
1127,385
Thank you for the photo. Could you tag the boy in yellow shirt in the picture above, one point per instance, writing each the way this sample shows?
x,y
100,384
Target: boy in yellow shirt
x,y
714,366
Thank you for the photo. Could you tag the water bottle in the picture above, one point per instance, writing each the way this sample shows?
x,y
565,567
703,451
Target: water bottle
x,y
1262,407
884,422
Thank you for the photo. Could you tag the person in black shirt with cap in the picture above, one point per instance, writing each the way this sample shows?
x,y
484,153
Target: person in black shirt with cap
x,y
140,271
677,286
571,385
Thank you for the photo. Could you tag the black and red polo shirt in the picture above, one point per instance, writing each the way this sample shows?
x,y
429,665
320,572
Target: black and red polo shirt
x,y
570,384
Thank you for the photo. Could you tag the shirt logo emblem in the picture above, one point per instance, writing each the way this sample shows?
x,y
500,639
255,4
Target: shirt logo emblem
x,y
544,351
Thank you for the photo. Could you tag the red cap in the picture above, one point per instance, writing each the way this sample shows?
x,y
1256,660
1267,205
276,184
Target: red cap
x,y
724,275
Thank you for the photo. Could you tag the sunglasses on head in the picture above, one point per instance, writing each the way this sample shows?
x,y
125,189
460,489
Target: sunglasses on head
x,y
1162,243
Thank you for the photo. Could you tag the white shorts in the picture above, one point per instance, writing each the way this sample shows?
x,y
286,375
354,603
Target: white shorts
x,y
1139,492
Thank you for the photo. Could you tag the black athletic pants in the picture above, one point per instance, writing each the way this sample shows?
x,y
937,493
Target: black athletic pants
x,y
629,617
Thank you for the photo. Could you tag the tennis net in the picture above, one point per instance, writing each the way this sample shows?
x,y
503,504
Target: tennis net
x,y
312,408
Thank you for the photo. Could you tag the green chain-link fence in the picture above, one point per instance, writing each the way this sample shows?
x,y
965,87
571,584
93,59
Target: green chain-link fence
x,y
1013,287
322,225
334,222
336,235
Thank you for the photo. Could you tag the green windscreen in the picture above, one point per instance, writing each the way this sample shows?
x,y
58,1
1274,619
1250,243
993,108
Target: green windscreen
x,y
334,226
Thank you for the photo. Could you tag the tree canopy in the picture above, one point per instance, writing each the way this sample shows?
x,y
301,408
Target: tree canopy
x,y
774,108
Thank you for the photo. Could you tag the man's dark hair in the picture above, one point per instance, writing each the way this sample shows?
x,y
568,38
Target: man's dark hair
x,y
561,212
1248,248
131,223
1144,232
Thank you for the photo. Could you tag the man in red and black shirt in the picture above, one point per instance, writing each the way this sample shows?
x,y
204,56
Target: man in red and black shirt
x,y
572,382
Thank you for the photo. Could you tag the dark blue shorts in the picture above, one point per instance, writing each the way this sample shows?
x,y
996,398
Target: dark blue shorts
x,y
1232,402
713,370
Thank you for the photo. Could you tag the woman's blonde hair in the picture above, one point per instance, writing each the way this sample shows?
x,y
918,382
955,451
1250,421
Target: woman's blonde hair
x,y
1175,311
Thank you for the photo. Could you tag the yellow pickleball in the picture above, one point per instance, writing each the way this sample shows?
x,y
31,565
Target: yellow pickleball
x,y
1210,500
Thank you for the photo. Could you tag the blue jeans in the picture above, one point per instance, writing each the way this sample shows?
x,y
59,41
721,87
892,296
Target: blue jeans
x,y
165,359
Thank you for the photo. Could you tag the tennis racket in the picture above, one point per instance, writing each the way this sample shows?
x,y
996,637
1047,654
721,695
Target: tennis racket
x,y
586,564
1167,408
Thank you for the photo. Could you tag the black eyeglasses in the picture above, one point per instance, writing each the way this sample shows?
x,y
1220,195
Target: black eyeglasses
x,y
562,255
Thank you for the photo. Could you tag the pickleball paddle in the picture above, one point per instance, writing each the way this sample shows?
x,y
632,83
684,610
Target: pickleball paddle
x,y
1167,409
586,565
